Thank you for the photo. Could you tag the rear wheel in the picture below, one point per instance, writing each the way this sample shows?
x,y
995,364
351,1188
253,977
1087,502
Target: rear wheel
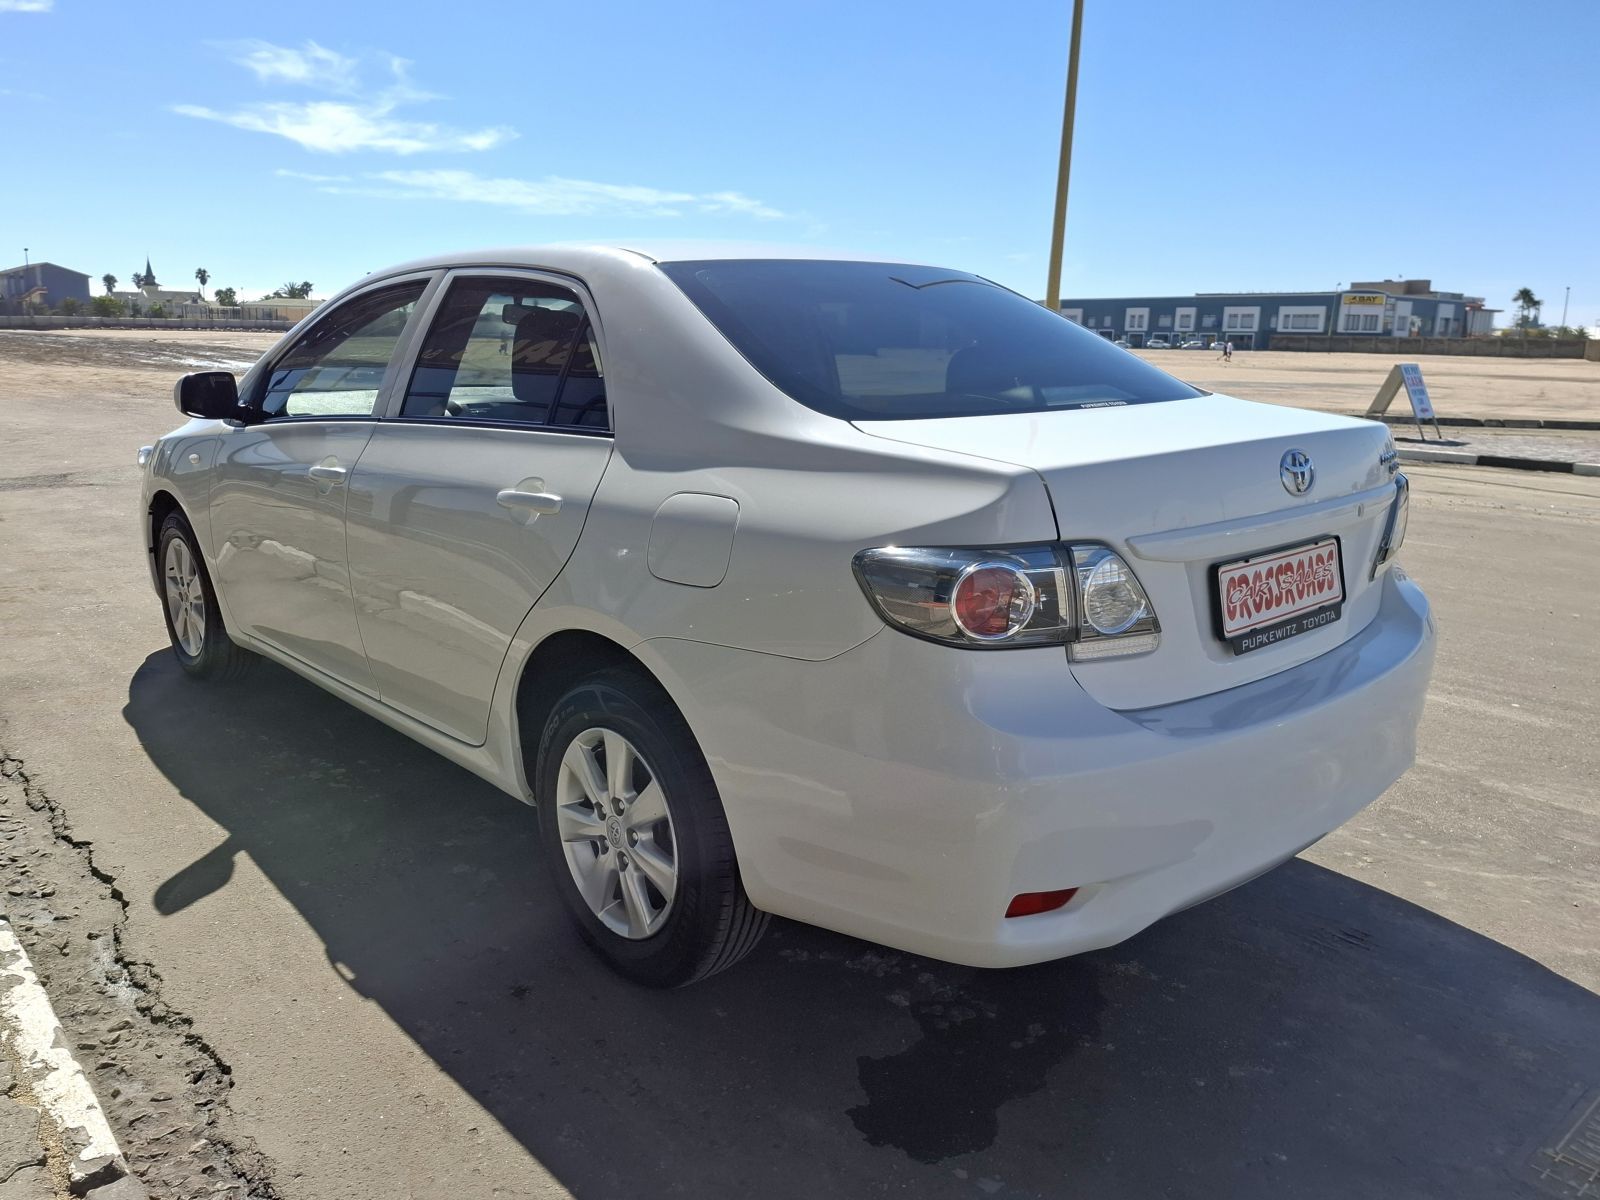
x,y
194,622
635,836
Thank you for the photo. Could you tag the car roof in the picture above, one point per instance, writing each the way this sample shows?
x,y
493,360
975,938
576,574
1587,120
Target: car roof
x,y
576,256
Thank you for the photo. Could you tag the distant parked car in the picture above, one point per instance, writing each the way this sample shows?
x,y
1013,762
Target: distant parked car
x,y
1123,342
1158,344
1192,344
867,594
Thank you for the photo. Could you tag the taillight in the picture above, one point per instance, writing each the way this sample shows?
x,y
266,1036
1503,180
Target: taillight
x,y
1018,596
992,600
1394,529
1116,615
1083,596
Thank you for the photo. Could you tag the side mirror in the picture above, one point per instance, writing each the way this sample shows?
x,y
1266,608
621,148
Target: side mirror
x,y
210,394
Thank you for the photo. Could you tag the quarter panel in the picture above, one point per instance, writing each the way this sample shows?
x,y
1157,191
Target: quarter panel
x,y
789,588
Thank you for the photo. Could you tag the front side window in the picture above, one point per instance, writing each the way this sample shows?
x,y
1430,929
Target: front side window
x,y
509,350
336,369
874,341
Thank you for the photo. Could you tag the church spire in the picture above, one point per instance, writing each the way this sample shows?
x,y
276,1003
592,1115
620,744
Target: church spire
x,y
149,275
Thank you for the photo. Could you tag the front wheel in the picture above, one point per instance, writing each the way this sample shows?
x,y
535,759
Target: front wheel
x,y
635,836
194,622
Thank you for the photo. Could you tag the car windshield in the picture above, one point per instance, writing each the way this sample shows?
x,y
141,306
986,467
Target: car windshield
x,y
877,341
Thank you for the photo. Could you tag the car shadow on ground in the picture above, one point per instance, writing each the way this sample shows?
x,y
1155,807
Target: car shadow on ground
x,y
1307,1035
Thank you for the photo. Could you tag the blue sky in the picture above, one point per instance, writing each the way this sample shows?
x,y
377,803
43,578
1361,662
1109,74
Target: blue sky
x,y
1257,145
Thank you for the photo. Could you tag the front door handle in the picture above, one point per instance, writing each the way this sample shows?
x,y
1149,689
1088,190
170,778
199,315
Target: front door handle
x,y
324,473
547,503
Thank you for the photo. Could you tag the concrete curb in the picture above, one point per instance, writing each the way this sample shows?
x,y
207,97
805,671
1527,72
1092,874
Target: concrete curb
x,y
1493,422
32,1038
1466,458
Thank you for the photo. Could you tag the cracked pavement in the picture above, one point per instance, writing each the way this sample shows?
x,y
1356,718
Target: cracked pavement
x,y
163,1088
302,957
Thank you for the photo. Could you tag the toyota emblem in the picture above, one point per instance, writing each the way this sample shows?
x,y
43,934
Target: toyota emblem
x,y
1297,473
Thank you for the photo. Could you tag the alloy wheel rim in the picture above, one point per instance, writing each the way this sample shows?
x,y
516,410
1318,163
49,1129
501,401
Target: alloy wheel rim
x,y
616,833
186,601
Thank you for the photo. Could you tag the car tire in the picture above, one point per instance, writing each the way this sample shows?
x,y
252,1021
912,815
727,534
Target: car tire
x,y
194,622
615,743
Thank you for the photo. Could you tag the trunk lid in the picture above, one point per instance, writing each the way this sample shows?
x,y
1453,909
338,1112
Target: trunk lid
x,y
1178,488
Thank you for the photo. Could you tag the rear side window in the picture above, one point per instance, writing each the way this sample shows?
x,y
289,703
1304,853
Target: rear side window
x,y
509,350
874,341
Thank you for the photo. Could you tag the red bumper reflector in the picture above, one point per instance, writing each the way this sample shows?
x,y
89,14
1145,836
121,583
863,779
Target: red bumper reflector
x,y
1029,903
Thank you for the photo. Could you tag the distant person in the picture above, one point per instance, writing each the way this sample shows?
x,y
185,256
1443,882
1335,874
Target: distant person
x,y
1227,351
505,342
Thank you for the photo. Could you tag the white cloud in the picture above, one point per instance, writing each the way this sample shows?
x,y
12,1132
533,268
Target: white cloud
x,y
556,196
334,128
313,66
737,202
364,121
310,176
26,5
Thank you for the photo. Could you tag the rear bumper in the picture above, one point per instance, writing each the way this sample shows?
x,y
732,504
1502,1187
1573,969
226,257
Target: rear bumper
x,y
905,792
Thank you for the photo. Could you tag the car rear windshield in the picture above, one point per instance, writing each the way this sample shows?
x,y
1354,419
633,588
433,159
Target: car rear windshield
x,y
875,341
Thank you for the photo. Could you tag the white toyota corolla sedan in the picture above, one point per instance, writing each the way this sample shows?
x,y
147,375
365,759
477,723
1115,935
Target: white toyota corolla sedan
x,y
868,594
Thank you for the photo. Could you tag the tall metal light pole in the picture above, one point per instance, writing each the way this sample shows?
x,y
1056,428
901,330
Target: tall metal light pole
x,y
1058,233
1564,300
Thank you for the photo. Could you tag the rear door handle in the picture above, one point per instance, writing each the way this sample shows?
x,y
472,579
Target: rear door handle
x,y
547,503
327,474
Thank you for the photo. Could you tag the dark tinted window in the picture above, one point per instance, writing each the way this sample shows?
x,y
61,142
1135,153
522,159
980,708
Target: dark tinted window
x,y
337,366
874,341
508,350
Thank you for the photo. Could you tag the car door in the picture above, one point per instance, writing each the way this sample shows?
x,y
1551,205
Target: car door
x,y
472,492
278,491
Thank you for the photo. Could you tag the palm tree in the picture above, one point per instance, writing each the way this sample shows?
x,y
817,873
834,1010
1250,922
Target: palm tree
x,y
110,282
203,276
1526,303
138,280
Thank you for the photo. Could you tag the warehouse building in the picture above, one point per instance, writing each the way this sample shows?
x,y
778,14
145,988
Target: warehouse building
x,y
40,285
1385,308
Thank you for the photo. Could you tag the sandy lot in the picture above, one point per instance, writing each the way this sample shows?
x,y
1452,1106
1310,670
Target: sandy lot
x,y
1563,388
112,360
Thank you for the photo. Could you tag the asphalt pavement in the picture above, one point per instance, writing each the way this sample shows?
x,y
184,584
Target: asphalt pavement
x,y
346,978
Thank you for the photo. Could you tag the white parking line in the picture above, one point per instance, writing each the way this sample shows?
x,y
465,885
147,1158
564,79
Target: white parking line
x,y
32,1037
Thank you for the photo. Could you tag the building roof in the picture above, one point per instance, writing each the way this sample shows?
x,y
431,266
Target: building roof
x,y
33,265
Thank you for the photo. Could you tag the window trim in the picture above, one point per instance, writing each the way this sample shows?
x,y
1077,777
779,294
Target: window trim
x,y
388,409
484,423
403,350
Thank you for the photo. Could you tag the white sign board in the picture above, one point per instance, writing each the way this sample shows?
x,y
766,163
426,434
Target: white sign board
x,y
1411,374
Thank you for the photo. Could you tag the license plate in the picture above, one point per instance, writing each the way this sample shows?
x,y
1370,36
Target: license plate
x,y
1270,597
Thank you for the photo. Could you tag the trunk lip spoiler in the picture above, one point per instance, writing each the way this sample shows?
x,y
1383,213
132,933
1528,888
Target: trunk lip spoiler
x,y
1222,539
